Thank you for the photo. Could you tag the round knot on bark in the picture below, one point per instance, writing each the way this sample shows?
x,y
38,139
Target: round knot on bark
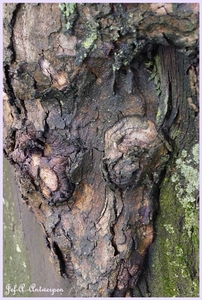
x,y
130,146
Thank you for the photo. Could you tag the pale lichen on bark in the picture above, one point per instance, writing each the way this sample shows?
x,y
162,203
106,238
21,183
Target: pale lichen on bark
x,y
187,191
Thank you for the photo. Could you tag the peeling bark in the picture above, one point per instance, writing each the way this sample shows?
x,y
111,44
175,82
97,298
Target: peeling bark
x,y
93,94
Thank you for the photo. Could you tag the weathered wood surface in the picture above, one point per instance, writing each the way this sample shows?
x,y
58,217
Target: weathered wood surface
x,y
98,100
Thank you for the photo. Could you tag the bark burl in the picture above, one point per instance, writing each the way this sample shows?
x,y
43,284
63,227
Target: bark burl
x,y
98,100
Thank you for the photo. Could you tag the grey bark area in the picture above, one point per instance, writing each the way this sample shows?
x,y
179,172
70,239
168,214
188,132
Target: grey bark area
x,y
99,101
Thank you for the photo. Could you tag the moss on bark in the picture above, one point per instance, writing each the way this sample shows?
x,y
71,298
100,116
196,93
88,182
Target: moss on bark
x,y
175,252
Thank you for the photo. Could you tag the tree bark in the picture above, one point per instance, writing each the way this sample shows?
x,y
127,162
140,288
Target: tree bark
x,y
101,125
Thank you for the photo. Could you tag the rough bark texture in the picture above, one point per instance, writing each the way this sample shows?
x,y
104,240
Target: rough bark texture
x,y
101,124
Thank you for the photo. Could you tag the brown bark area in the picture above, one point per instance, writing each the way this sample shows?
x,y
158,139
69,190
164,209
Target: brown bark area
x,y
88,132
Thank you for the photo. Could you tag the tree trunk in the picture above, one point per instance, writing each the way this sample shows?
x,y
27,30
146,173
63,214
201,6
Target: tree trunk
x,y
101,125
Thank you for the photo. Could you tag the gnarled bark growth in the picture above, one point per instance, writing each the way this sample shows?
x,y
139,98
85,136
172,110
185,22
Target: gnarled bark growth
x,y
93,96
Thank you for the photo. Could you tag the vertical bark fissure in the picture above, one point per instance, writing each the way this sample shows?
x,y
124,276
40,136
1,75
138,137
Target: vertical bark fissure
x,y
11,25
10,90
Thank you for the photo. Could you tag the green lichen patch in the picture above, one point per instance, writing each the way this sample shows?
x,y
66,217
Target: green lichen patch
x,y
156,73
123,56
175,251
88,44
68,10
154,67
186,179
169,228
